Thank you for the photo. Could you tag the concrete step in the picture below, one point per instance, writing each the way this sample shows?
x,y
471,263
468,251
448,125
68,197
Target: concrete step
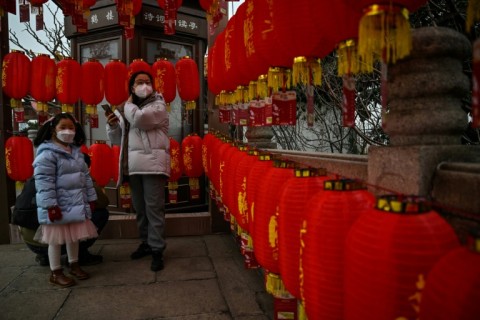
x,y
124,226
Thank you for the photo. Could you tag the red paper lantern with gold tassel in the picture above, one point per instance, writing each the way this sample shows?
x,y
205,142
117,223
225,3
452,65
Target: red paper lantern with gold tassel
x,y
291,213
452,289
384,31
68,83
329,216
240,188
101,168
188,81
116,82
16,73
164,78
219,147
238,54
257,23
170,8
138,65
42,84
388,254
216,68
255,176
93,88
231,81
231,165
265,231
175,170
19,158
224,175
192,162
206,152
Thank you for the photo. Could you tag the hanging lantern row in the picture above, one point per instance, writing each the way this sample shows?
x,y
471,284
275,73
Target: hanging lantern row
x,y
45,80
319,238
253,35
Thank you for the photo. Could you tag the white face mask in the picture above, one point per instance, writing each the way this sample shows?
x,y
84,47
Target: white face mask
x,y
143,90
66,135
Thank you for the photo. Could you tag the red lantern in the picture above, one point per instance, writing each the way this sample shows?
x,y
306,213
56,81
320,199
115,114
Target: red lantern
x,y
244,166
388,254
291,213
206,152
164,80
138,65
216,65
68,83
230,170
238,54
257,24
452,289
19,158
188,81
93,88
170,8
231,81
116,86
175,170
42,84
192,162
265,228
16,74
256,174
101,168
218,148
329,216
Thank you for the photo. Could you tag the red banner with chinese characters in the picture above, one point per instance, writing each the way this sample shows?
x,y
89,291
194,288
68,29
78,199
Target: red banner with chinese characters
x,y
284,108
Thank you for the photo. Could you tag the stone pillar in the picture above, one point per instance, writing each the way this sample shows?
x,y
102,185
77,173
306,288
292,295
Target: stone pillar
x,y
260,137
425,119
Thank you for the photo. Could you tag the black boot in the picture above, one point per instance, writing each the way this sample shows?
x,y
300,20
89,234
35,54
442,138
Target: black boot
x,y
142,251
157,261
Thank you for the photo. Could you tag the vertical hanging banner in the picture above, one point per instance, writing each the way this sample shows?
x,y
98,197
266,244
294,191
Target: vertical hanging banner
x,y
348,101
284,106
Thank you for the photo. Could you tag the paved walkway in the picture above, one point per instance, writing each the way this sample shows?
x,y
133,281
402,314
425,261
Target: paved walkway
x,y
204,279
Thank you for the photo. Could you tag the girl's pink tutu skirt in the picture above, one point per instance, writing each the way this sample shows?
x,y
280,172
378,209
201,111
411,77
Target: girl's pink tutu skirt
x,y
66,233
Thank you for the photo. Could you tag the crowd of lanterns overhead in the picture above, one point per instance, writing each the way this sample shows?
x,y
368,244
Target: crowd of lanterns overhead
x,y
68,81
282,44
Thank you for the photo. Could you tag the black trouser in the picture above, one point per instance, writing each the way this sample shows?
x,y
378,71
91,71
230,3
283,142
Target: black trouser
x,y
99,219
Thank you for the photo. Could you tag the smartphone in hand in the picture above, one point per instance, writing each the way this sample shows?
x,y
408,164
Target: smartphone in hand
x,y
108,109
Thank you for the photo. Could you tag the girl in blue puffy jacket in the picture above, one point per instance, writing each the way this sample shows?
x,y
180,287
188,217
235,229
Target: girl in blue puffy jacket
x,y
65,194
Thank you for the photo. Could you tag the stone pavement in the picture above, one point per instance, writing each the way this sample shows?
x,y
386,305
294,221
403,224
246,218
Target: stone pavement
x,y
204,279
